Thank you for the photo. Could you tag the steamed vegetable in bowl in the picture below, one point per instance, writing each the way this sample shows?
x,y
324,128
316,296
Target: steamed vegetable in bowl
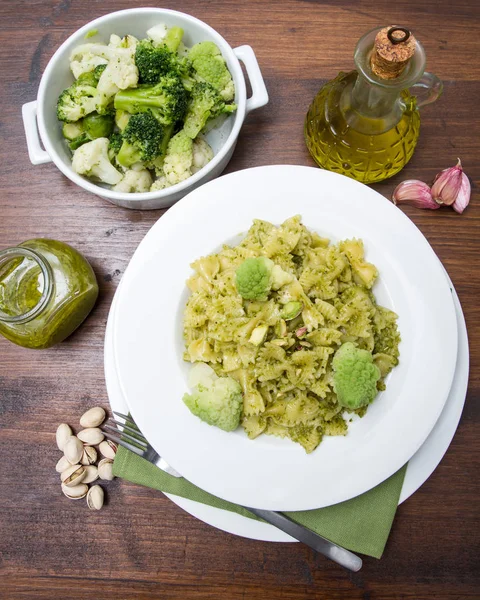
x,y
291,321
135,114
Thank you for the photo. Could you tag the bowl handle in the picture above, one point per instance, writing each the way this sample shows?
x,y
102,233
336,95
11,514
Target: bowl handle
x,y
37,154
259,95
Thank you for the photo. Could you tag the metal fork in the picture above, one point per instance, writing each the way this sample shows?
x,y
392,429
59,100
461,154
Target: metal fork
x,y
129,436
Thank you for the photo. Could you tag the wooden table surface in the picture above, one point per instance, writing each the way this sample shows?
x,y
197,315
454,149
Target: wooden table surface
x,y
142,545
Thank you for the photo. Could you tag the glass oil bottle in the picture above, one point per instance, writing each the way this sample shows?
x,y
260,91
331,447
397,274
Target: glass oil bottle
x,y
366,123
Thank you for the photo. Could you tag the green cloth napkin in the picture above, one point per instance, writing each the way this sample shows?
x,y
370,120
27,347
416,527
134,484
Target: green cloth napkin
x,y
361,524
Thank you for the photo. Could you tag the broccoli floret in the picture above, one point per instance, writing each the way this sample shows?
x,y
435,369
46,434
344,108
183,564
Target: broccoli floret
x,y
179,158
216,400
355,376
167,100
210,65
206,103
144,139
153,62
82,97
92,160
256,277
114,144
75,102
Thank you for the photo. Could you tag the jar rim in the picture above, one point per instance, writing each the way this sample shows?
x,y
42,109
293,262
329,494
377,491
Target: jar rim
x,y
15,252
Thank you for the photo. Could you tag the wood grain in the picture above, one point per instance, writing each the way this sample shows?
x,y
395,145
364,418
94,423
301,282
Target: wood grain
x,y
141,545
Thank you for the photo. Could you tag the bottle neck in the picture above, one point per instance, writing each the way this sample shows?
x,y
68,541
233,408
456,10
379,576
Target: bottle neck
x,y
26,285
378,108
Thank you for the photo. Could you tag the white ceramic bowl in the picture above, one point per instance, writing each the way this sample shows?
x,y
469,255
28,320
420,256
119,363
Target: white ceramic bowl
x,y
57,77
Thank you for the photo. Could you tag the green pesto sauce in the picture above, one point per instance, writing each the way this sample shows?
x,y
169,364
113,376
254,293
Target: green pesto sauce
x,y
74,292
91,33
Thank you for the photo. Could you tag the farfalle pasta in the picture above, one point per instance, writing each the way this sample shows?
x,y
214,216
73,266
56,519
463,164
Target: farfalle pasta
x,y
283,362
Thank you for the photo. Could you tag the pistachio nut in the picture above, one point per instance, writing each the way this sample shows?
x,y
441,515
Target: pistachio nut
x,y
89,456
108,449
92,474
73,450
62,464
76,492
105,469
73,475
91,436
93,417
62,435
95,497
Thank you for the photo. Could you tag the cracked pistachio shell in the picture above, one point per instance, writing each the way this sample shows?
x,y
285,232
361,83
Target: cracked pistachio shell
x,y
73,475
76,492
91,436
108,449
62,464
73,450
63,433
95,497
93,417
91,474
89,456
105,469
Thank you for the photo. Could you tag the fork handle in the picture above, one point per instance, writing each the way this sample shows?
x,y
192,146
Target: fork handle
x,y
340,555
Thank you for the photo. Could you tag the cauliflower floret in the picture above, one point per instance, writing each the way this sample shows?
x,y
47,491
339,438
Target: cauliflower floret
x,y
119,56
202,154
92,160
355,376
216,400
134,181
159,184
179,158
157,33
210,65
255,277
86,63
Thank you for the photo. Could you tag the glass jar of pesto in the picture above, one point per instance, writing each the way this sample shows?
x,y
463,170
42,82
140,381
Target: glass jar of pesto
x,y
47,289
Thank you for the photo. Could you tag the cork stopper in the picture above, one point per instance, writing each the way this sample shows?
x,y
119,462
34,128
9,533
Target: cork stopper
x,y
394,47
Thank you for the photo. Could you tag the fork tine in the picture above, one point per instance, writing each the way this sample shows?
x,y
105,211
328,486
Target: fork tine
x,y
130,439
123,443
131,429
122,416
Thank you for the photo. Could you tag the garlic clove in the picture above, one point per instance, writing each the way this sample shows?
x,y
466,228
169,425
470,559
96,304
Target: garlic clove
x,y
446,185
463,197
414,193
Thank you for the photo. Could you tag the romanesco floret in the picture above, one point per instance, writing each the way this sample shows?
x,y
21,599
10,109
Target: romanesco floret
x,y
256,277
216,400
355,376
92,160
179,158
210,65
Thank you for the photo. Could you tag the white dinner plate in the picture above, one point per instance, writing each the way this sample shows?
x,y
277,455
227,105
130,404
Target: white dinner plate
x,y
419,469
268,472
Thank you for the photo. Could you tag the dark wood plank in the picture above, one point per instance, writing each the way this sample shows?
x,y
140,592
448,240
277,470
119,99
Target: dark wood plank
x,y
141,545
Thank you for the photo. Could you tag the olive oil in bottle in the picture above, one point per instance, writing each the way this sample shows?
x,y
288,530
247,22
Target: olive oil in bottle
x,y
365,124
